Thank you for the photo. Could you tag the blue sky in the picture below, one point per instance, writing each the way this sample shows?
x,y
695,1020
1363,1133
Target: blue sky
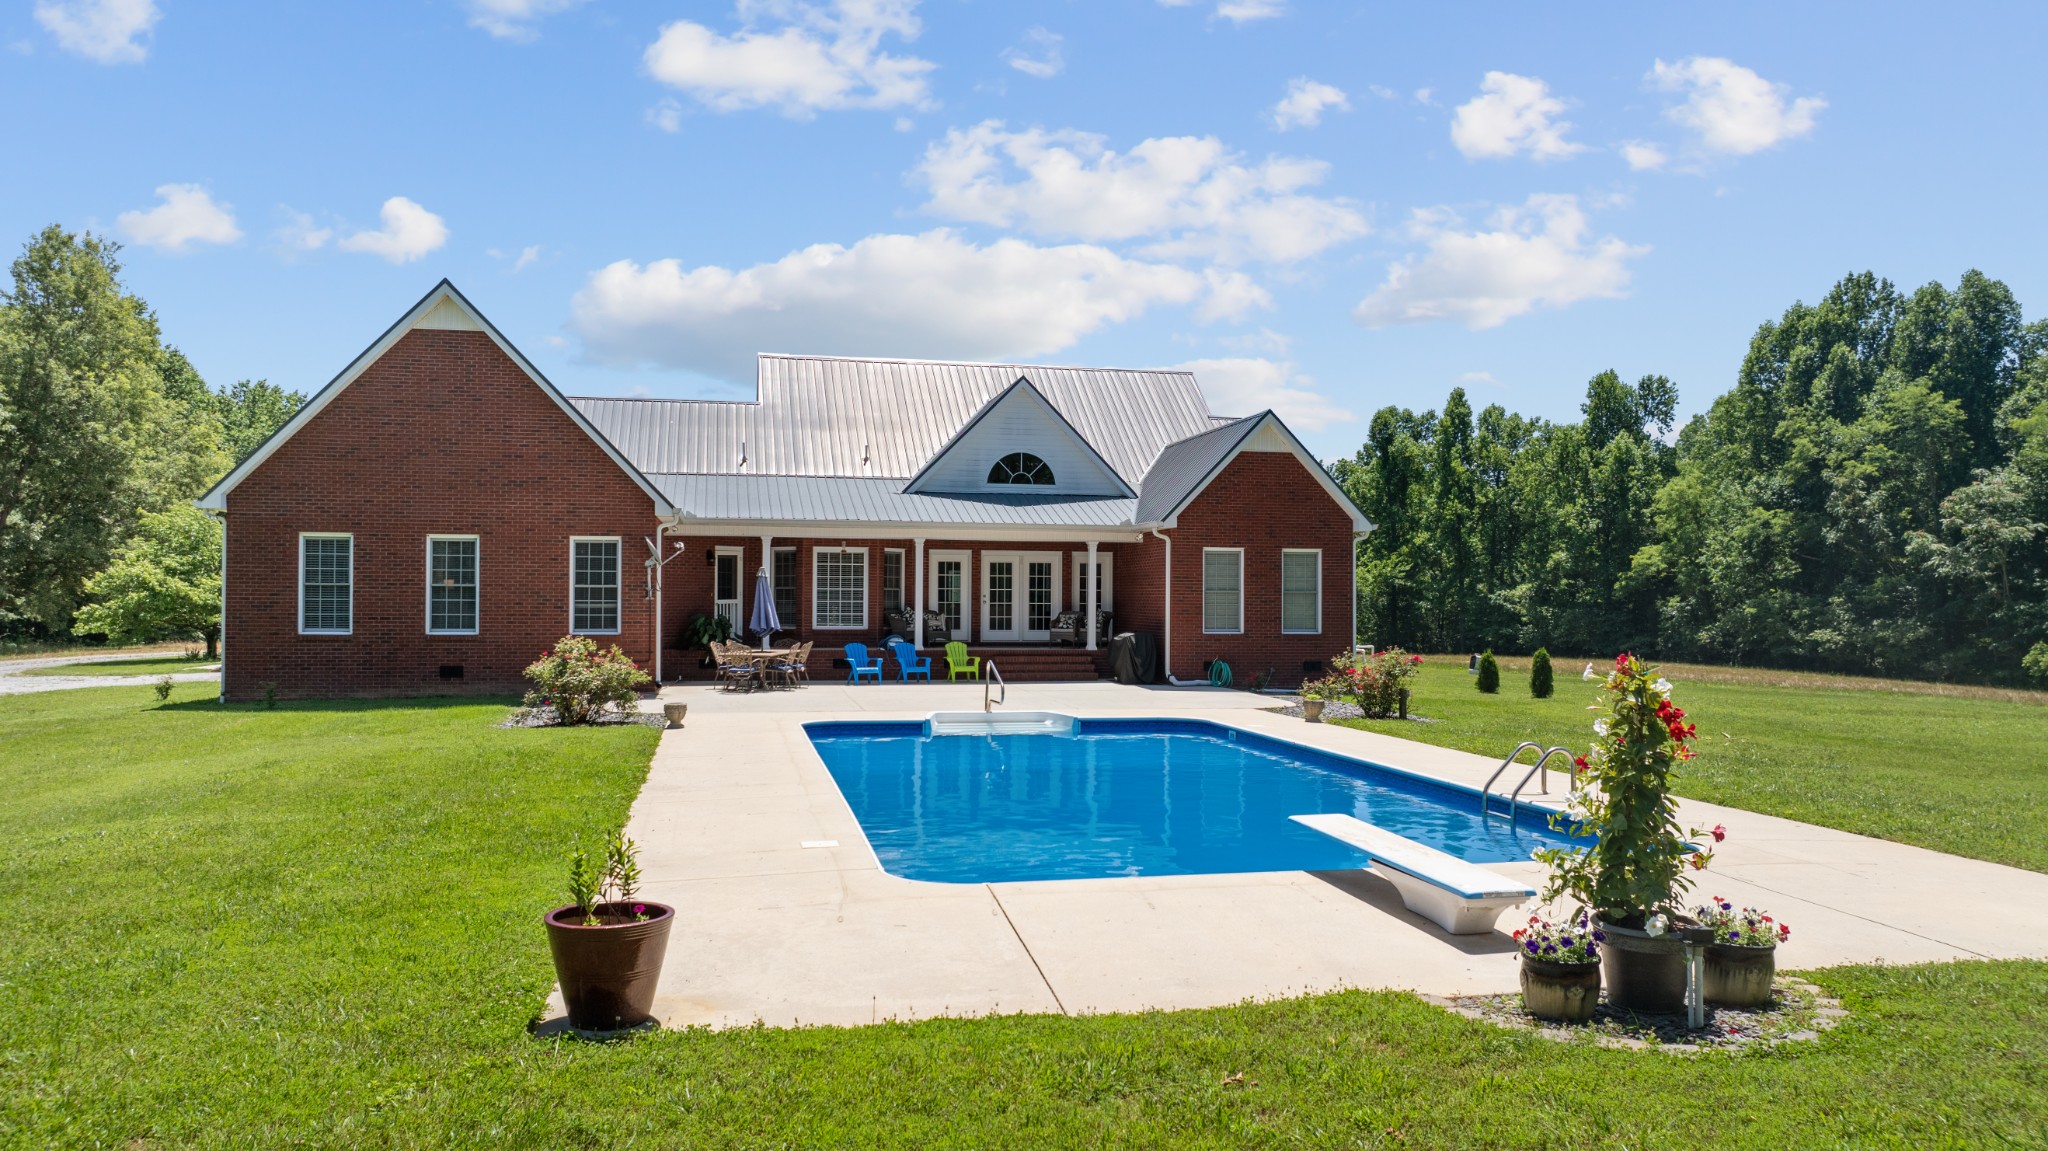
x,y
1324,207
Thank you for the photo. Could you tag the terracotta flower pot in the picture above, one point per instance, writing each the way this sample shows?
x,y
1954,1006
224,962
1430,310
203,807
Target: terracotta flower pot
x,y
1563,991
1644,972
608,972
675,713
1312,710
1737,976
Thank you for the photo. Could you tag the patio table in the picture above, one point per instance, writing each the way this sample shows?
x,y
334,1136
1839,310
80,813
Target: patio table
x,y
761,657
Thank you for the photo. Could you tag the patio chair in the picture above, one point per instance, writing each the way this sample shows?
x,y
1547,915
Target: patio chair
x,y
791,669
959,663
735,667
862,666
909,663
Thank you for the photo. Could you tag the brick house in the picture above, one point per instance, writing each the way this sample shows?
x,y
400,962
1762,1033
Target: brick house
x,y
440,513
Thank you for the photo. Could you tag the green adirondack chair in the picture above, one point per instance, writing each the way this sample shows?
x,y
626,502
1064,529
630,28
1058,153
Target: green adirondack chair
x,y
959,663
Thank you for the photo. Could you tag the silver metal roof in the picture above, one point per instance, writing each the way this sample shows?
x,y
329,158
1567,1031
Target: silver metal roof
x,y
1183,466
829,416
869,500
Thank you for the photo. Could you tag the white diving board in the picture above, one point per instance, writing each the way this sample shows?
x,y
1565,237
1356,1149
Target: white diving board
x,y
1462,898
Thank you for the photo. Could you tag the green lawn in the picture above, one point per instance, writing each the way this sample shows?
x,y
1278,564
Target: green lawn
x,y
149,665
318,926
1963,771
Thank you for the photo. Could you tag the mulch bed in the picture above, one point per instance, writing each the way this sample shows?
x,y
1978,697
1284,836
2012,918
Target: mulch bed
x,y
546,717
1798,1013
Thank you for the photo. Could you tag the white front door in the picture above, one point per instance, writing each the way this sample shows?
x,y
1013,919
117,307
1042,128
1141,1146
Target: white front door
x,y
948,592
725,590
1020,595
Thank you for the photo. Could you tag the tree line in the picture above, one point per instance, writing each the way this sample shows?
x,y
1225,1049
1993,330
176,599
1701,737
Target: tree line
x,y
107,435
1869,497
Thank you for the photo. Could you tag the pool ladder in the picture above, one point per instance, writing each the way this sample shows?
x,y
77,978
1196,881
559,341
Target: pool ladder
x,y
989,673
1537,771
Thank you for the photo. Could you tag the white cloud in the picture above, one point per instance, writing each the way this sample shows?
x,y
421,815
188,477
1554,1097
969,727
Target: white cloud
x,y
1303,105
187,216
1733,109
1486,378
527,256
1188,196
409,232
1242,386
933,294
1038,56
819,57
666,114
102,30
1511,115
1241,11
1538,255
302,234
1643,156
514,19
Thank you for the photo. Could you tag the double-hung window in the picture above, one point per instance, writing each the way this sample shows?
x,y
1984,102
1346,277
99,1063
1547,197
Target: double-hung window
x,y
594,585
1222,589
785,587
1301,591
839,588
327,569
892,579
452,585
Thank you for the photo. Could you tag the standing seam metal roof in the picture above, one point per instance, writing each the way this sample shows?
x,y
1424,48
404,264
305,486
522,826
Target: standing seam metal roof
x,y
827,416
1184,465
863,500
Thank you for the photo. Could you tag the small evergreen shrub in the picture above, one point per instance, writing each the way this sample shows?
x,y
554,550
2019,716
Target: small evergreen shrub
x,y
1539,674
580,682
1489,674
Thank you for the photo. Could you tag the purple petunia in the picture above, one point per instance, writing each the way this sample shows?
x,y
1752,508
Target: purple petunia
x,y
1599,937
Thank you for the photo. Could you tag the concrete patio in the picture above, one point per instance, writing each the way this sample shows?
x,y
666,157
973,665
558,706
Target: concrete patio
x,y
771,930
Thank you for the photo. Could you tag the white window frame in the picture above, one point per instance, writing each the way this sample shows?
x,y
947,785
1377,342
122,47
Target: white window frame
x,y
818,586
902,579
1206,629
1318,554
796,606
1108,594
428,578
619,585
351,538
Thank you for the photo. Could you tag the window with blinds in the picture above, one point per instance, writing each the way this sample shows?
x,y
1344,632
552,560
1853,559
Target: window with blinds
x,y
326,584
1222,589
839,583
1301,591
784,580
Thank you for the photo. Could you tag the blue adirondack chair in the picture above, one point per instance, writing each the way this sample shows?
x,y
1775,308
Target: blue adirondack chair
x,y
909,663
863,667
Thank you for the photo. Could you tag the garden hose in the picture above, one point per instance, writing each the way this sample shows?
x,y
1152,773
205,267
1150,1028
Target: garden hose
x,y
1219,674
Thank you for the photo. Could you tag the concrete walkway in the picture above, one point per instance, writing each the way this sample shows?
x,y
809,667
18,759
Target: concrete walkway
x,y
769,929
13,682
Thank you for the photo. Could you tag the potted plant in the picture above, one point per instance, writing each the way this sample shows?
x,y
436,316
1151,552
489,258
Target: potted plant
x,y
1633,875
1318,692
1741,962
1560,968
607,944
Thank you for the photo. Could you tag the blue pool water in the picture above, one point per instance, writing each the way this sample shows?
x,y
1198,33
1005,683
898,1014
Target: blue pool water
x,y
1134,797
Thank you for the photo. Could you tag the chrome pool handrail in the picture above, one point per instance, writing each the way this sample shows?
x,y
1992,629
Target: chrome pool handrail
x,y
1486,789
989,672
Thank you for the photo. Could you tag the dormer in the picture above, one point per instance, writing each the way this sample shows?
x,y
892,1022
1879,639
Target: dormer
x,y
1018,444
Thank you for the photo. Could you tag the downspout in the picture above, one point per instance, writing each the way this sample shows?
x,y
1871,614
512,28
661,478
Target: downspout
x,y
222,697
1166,655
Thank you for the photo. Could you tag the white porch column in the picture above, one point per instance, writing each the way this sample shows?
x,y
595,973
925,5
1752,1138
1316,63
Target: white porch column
x,y
917,608
1092,574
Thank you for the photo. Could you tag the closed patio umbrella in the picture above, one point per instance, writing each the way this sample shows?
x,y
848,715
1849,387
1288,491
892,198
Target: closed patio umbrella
x,y
764,622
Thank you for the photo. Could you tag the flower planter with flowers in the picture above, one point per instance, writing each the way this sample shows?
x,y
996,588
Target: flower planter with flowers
x,y
608,945
1632,877
1560,968
1742,961
1375,683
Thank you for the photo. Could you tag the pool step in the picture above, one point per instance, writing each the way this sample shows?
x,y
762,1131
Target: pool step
x,y
998,723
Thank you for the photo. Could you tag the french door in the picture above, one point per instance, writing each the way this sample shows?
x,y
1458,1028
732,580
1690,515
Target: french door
x,y
725,590
1020,595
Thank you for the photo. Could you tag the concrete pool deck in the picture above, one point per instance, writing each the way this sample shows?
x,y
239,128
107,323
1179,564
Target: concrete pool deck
x,y
770,930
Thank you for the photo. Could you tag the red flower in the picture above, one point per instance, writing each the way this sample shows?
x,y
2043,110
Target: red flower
x,y
1720,833
1579,763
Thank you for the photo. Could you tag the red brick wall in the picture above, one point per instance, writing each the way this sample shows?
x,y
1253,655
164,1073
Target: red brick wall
x,y
442,435
1262,502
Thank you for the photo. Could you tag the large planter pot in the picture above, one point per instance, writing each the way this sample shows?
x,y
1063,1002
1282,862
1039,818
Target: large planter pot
x,y
1644,973
1312,710
1563,991
1736,976
608,972
675,713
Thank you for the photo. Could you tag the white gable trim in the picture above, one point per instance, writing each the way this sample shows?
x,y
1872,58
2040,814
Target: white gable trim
x,y
1016,393
443,308
1259,434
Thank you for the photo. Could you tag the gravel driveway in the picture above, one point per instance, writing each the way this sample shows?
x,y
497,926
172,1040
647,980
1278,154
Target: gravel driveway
x,y
12,682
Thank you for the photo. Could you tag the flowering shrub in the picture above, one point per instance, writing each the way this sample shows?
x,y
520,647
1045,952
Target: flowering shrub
x,y
580,682
1373,682
1573,941
1639,865
1745,928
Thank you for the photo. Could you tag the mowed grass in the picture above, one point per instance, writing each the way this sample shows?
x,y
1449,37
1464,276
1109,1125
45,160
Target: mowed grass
x,y
1962,770
318,926
147,665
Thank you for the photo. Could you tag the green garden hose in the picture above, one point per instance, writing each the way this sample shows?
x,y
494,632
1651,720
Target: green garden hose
x,y
1219,674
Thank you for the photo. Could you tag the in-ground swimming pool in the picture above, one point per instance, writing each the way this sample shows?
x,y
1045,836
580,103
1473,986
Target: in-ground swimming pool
x,y
1135,797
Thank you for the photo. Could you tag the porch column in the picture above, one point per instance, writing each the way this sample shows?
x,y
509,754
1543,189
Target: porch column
x,y
917,608
1091,576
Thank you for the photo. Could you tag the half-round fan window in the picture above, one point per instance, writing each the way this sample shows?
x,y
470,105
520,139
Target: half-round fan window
x,y
1020,468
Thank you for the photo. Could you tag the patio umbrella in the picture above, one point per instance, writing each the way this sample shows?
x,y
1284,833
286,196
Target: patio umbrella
x,y
765,622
